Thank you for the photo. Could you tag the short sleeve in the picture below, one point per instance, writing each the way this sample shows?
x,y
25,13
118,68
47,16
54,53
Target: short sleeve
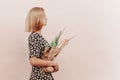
x,y
33,46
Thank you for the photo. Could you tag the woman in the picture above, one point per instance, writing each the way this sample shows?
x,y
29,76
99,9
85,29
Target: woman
x,y
35,21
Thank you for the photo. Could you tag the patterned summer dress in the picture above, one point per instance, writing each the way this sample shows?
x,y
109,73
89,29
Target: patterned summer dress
x,y
37,44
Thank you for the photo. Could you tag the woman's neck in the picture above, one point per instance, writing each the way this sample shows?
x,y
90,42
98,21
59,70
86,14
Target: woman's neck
x,y
39,32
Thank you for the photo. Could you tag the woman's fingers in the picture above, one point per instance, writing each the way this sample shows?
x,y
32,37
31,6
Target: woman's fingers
x,y
56,68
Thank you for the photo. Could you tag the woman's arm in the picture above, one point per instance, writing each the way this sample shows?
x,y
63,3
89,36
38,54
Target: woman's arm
x,y
40,62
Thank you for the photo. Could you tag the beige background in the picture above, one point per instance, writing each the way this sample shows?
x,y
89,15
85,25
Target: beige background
x,y
93,55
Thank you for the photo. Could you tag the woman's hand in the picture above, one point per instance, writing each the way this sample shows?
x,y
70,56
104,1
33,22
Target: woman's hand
x,y
53,68
56,67
48,69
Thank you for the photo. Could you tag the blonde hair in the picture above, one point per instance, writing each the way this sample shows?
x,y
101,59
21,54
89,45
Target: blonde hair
x,y
35,19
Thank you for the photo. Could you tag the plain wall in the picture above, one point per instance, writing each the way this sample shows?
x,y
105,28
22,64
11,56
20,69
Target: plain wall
x,y
94,54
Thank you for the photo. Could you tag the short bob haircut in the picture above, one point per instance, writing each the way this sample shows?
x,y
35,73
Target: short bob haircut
x,y
35,20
